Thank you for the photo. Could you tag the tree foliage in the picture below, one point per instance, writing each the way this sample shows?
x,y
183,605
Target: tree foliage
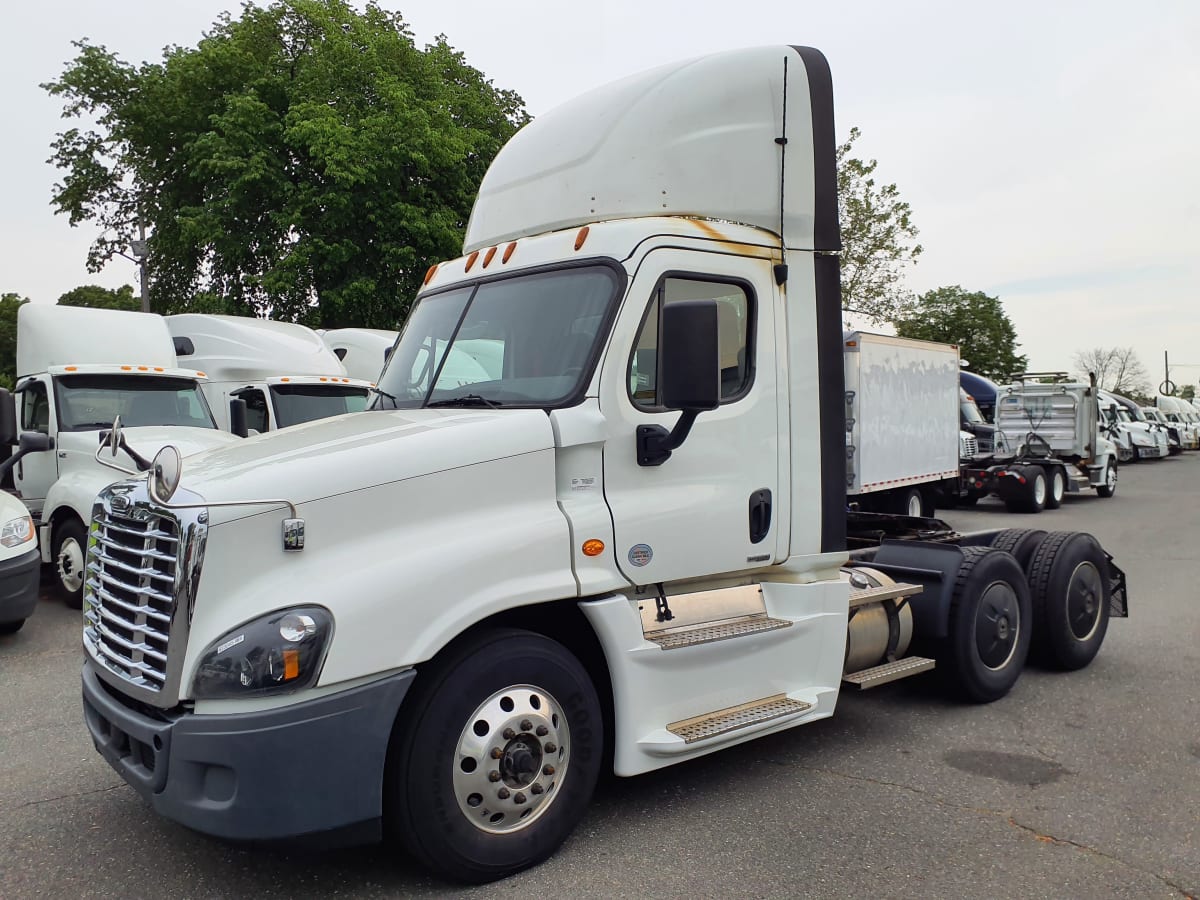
x,y
9,304
1117,369
305,160
878,239
97,297
974,321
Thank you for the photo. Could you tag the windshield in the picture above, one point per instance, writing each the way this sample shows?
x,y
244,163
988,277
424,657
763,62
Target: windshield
x,y
91,402
1123,414
970,412
296,403
524,341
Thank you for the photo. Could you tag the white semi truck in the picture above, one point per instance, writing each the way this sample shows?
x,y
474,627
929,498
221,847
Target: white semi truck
x,y
77,371
282,372
625,543
363,351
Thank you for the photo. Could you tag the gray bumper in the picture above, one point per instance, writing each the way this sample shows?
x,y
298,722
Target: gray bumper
x,y
310,768
19,586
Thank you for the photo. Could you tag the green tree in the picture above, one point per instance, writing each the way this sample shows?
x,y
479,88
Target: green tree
x,y
974,321
305,160
9,304
878,239
102,298
1187,392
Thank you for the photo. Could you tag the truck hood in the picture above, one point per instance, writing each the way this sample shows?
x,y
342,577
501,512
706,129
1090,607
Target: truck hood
x,y
146,440
359,451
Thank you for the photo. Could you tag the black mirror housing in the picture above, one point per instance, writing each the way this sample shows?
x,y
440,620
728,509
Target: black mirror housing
x,y
35,442
237,417
690,373
8,418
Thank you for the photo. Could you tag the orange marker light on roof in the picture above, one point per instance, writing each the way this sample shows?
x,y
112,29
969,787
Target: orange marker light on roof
x,y
508,251
285,379
487,258
851,343
323,378
429,273
471,260
126,368
158,368
72,368
593,547
201,374
143,368
581,237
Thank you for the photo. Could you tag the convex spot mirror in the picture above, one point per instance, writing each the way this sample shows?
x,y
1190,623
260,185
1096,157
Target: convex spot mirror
x,y
165,473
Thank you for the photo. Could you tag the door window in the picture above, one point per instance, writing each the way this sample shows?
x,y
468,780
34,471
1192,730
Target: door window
x,y
256,409
735,334
35,408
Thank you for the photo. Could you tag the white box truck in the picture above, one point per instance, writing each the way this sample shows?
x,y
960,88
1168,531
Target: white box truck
x,y
624,542
903,438
282,372
79,369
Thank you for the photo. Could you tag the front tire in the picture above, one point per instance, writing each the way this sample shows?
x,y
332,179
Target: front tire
x,y
989,632
494,757
1058,487
1069,585
1109,487
70,550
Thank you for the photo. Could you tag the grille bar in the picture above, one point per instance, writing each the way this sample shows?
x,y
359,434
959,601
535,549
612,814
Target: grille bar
x,y
111,601
132,570
111,579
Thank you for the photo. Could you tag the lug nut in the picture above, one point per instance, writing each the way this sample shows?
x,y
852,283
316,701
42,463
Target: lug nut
x,y
542,731
509,734
526,725
536,789
503,793
493,775
519,799
497,753
547,770
551,747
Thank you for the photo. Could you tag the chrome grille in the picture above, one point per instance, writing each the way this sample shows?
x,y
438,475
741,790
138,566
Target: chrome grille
x,y
968,446
129,592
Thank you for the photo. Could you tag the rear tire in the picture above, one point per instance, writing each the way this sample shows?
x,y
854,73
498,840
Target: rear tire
x,y
11,627
505,691
1022,543
911,502
1029,497
1068,580
70,551
1057,487
989,631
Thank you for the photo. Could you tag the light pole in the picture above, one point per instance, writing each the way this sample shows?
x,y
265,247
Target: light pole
x,y
141,250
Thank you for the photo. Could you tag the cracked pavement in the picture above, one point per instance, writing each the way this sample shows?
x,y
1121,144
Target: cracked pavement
x,y
1080,784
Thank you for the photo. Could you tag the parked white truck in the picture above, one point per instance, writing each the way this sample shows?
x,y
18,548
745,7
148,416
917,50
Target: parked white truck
x,y
363,351
20,562
77,370
1135,439
627,544
282,371
903,440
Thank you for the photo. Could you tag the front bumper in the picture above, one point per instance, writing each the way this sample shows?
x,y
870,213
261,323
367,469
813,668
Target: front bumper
x,y
313,767
19,586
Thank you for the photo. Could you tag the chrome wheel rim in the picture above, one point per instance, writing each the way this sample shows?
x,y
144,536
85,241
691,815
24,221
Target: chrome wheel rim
x,y
998,625
1085,597
1039,489
1110,476
914,505
510,758
70,565
1057,487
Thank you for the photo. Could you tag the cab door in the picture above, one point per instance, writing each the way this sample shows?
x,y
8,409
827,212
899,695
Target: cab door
x,y
713,506
35,472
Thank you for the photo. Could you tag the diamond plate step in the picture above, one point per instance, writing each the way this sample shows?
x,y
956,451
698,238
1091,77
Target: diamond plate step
x,y
736,717
722,631
883,592
893,671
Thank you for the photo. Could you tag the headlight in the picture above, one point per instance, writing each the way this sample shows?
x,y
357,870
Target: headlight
x,y
16,532
274,654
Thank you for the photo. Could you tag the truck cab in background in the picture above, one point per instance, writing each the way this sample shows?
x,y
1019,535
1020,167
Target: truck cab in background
x,y
78,370
1135,439
363,352
1181,416
283,372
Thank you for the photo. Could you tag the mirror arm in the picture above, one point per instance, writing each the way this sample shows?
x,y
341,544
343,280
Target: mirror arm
x,y
655,443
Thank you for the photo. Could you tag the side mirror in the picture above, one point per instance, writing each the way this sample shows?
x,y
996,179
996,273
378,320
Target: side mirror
x,y
690,378
8,418
237,417
34,442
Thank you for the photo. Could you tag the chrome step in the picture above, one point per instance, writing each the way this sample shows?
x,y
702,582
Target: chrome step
x,y
737,717
893,671
883,592
716,631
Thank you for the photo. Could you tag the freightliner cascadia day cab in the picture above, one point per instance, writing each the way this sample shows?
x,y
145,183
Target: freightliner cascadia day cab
x,y
282,371
626,542
78,370
363,351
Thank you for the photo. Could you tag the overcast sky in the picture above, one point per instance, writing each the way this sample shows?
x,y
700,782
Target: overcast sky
x,y
1049,150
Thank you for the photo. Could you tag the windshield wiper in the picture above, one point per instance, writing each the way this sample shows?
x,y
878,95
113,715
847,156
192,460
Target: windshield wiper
x,y
381,393
465,400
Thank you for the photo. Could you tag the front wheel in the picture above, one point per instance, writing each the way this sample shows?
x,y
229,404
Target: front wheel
x,y
1109,487
70,543
495,757
1058,487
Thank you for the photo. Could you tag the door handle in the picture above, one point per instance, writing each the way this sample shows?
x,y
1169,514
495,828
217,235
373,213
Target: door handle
x,y
760,515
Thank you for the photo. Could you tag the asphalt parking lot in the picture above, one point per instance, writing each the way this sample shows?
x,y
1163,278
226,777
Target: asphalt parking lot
x,y
1083,784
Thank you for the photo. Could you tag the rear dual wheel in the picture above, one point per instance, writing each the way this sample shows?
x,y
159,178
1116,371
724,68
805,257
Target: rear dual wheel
x,y
1068,580
494,757
1029,496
